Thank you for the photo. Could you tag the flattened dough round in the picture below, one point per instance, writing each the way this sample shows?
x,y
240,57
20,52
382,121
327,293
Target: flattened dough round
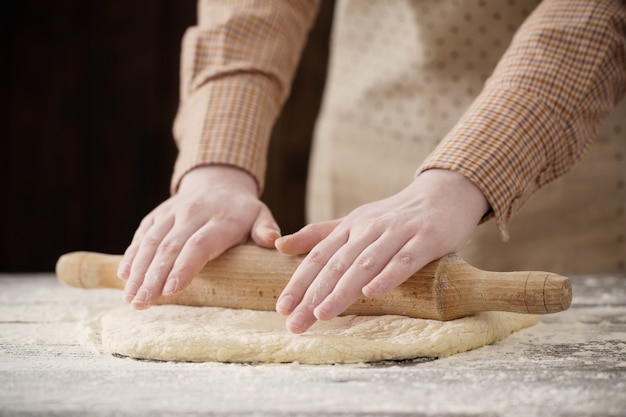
x,y
203,334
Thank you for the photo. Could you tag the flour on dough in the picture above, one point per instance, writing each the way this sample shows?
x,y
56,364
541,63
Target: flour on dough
x,y
202,334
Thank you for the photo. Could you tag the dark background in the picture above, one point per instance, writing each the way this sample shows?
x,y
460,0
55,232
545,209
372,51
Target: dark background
x,y
89,93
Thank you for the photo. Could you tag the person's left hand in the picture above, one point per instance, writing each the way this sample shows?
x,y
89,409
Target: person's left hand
x,y
377,246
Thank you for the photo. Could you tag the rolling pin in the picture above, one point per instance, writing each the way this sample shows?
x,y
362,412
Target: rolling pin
x,y
250,277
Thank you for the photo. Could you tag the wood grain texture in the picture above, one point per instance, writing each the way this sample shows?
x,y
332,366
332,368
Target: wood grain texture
x,y
251,277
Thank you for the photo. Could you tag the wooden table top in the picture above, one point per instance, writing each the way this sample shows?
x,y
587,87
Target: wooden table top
x,y
570,364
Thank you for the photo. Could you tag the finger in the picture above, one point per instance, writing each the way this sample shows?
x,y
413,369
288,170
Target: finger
x,y
324,284
302,317
206,244
152,285
409,259
300,321
162,263
123,269
306,238
265,230
143,258
306,273
368,264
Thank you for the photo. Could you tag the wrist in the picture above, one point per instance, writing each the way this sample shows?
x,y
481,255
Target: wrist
x,y
218,175
457,187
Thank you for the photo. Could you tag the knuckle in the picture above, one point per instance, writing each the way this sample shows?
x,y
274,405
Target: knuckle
x,y
430,231
183,273
150,240
365,262
221,216
403,260
169,247
146,222
316,257
309,228
136,240
385,221
152,278
199,241
226,217
336,265
191,209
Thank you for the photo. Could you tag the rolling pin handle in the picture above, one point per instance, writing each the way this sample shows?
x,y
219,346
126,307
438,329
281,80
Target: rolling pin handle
x,y
68,268
89,270
547,293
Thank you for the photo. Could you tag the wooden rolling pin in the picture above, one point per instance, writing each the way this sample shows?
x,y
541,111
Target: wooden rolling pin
x,y
251,277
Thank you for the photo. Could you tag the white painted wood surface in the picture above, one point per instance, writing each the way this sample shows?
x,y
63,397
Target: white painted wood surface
x,y
570,364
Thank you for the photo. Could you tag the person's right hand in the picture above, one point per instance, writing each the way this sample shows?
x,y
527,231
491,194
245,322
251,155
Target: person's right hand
x,y
215,208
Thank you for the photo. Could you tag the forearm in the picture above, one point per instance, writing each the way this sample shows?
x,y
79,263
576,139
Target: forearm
x,y
236,71
543,105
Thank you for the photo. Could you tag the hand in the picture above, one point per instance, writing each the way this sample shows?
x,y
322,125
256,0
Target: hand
x,y
215,208
377,246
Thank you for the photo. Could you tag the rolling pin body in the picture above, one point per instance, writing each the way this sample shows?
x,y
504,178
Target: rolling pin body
x,y
251,277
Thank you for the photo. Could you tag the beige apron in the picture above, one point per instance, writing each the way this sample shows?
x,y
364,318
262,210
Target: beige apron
x,y
401,73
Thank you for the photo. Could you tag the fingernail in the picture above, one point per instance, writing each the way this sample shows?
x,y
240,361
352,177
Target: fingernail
x,y
296,323
122,270
273,235
141,299
370,291
129,292
285,304
322,313
171,286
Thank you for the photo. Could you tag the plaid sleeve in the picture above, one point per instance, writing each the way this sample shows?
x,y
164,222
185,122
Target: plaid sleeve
x,y
237,66
542,107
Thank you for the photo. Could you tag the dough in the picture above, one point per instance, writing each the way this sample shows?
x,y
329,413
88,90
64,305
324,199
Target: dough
x,y
199,334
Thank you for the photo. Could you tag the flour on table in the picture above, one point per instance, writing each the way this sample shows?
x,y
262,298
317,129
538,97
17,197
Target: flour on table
x,y
203,334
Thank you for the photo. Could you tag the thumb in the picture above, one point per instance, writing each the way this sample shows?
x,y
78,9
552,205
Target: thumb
x,y
306,238
265,230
